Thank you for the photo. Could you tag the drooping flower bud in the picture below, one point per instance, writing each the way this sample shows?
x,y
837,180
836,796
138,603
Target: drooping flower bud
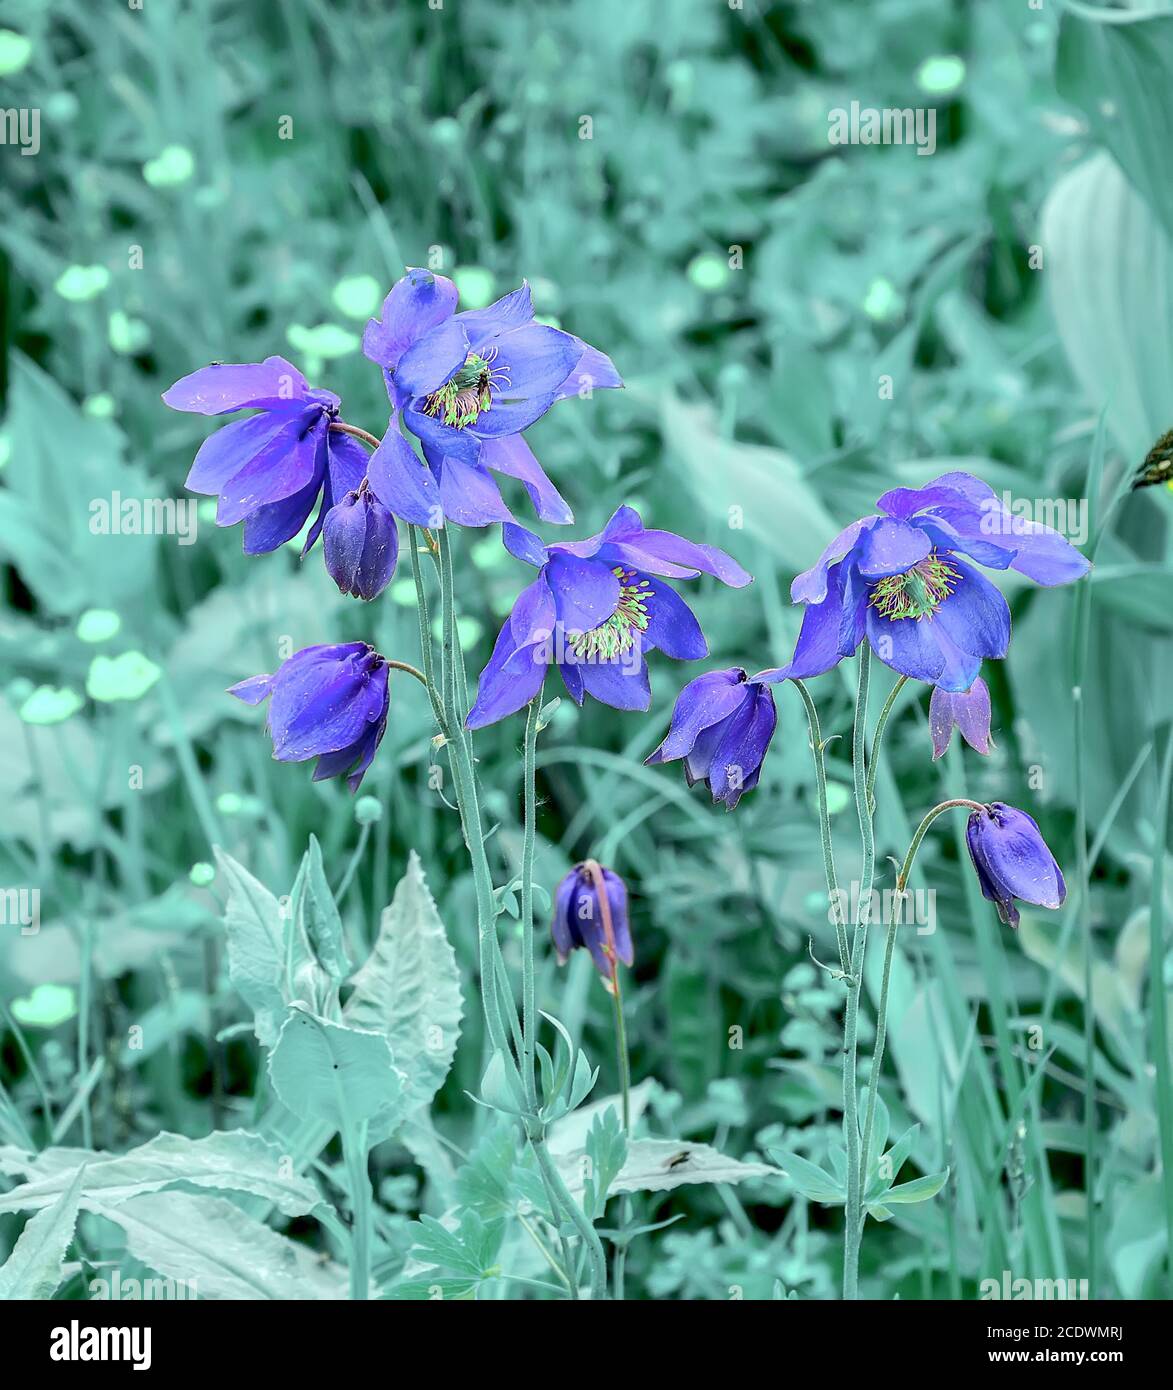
x,y
969,710
361,544
721,726
329,703
590,910
1012,860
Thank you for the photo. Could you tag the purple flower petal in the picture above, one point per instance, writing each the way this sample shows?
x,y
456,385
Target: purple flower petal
x,y
586,592
253,690
277,522
968,710
470,496
432,359
417,303
672,626
621,684
975,616
511,311
228,386
520,659
811,585
523,544
890,547
817,648
286,463
703,702
745,737
594,371
402,483
225,453
513,457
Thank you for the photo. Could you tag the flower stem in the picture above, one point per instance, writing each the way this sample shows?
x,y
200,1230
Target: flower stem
x,y
528,1008
878,736
836,902
341,427
354,1147
921,830
582,1223
853,1229
620,1262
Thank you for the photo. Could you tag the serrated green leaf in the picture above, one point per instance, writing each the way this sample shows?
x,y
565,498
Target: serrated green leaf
x,y
409,988
36,1266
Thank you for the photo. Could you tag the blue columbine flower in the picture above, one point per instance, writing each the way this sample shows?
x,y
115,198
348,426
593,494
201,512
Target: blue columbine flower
x,y
721,726
968,710
467,385
900,581
595,608
1012,860
582,917
360,544
328,703
268,470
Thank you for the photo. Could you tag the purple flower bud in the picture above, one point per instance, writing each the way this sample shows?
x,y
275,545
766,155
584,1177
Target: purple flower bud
x,y
597,921
721,726
361,544
1012,860
969,710
328,703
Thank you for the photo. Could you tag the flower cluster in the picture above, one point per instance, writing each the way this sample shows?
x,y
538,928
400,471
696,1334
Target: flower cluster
x,y
466,385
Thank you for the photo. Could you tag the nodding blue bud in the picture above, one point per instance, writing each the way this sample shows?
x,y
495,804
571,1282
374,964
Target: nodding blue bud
x,y
1012,860
360,541
590,910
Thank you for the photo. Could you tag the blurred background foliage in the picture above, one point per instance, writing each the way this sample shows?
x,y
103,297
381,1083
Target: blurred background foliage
x,y
754,284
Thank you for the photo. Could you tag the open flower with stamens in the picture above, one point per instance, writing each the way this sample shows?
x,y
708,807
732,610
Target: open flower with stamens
x,y
903,579
467,385
595,609
269,469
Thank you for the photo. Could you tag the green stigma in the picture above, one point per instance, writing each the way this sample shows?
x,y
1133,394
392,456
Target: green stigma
x,y
462,399
917,593
617,634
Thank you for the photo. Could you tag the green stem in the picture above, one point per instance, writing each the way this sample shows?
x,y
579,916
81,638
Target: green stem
x,y
582,1224
529,1018
620,1262
1159,1031
355,1154
852,1230
878,737
922,829
836,902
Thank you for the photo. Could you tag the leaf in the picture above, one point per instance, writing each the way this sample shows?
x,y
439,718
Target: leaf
x,y
765,485
215,1250
63,466
657,1165
811,1180
327,1071
231,1161
409,988
485,1184
35,1267
255,934
316,914
1110,278
918,1190
1118,67
471,1249
606,1153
